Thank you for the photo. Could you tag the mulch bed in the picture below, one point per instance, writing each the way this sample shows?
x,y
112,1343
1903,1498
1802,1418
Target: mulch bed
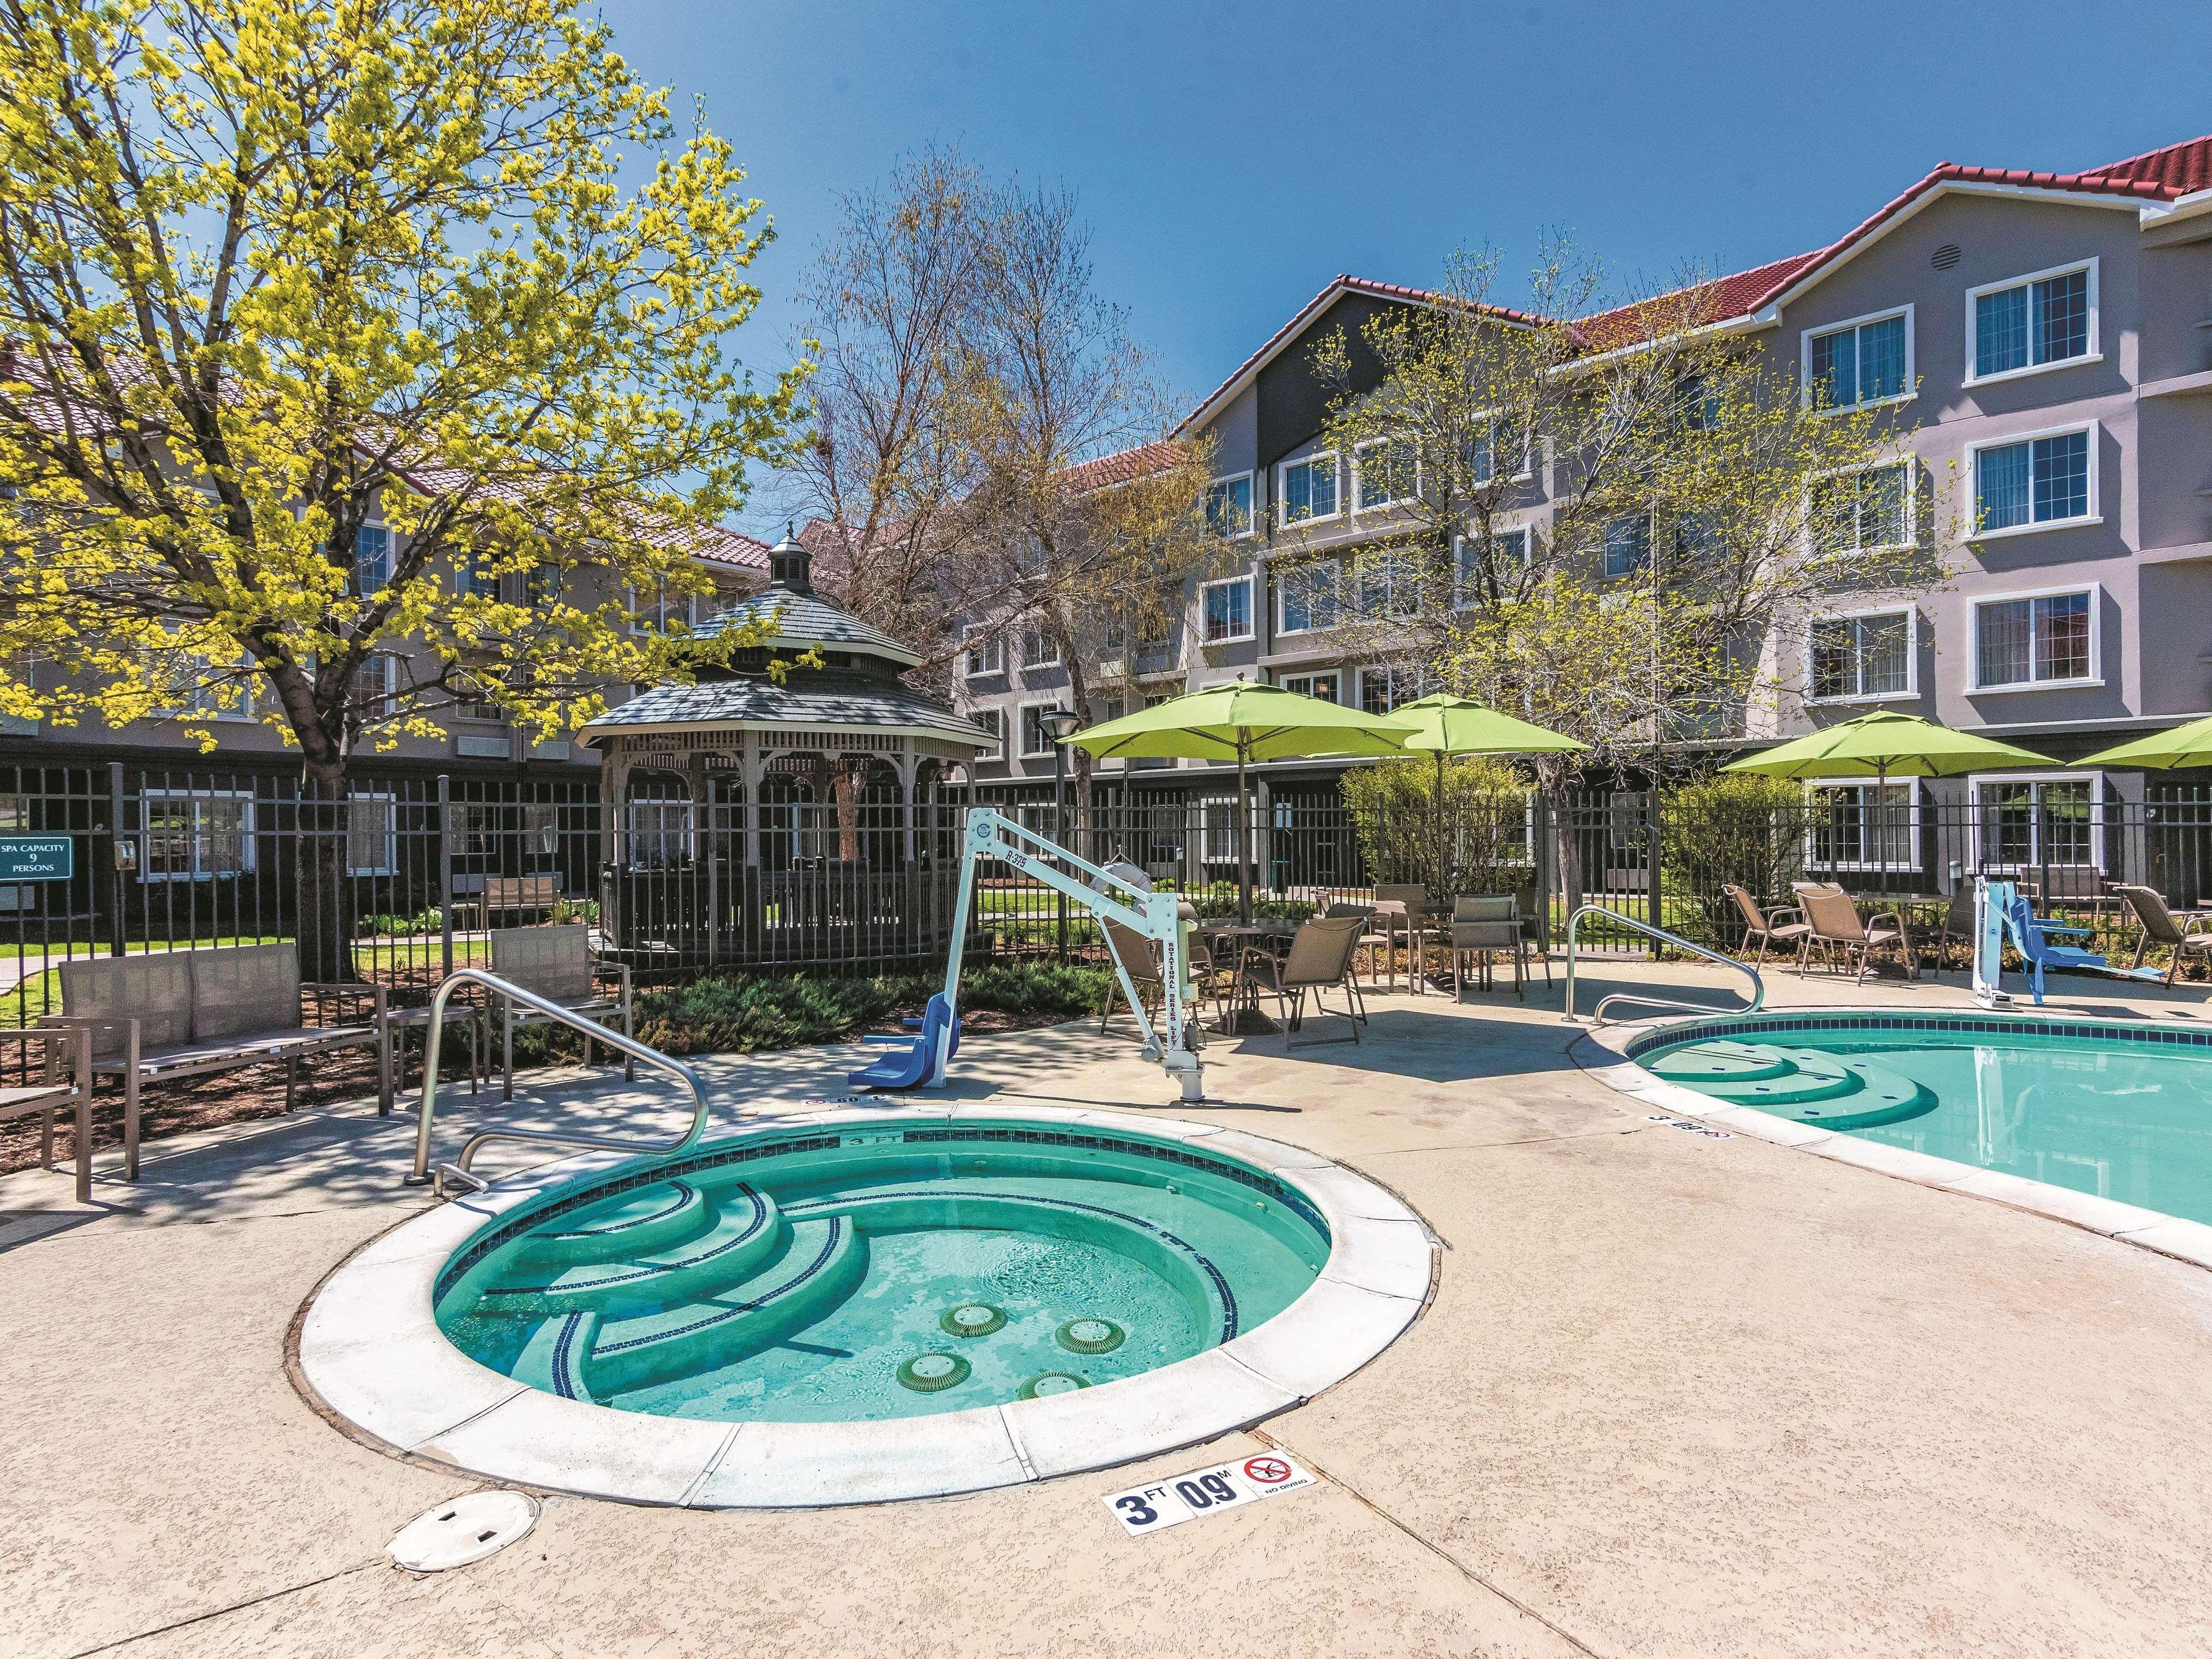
x,y
258,1091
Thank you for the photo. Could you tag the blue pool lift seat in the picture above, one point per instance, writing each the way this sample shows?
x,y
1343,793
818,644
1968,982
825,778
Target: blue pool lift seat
x,y
2031,934
912,1067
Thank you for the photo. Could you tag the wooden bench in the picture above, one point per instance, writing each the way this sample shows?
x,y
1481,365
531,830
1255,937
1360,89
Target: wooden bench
x,y
183,1013
504,895
64,1080
556,963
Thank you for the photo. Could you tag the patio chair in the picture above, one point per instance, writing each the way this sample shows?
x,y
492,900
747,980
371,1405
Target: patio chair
x,y
1536,925
1320,956
1483,924
1958,925
1836,927
2182,938
1399,905
1140,959
1767,927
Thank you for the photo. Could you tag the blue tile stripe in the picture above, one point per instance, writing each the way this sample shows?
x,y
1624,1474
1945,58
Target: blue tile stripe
x,y
683,1196
2075,1030
1229,1314
568,1375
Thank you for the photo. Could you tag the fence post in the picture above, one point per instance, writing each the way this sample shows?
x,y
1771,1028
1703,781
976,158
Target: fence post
x,y
116,844
1655,916
445,875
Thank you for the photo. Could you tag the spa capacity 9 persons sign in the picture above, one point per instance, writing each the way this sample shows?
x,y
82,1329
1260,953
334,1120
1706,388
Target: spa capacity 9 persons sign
x,y
36,858
1169,1503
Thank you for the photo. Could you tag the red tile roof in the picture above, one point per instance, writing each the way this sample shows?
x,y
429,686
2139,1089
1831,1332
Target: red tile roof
x,y
2159,175
1121,466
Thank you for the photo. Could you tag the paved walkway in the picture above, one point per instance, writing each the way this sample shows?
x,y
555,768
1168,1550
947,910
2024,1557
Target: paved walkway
x,y
1675,1395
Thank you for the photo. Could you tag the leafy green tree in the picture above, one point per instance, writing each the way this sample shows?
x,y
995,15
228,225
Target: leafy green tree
x,y
269,270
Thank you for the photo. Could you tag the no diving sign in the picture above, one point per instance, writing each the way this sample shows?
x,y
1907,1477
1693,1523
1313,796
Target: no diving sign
x,y
1183,1497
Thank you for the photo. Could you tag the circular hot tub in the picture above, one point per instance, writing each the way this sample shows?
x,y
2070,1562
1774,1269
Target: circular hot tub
x,y
866,1304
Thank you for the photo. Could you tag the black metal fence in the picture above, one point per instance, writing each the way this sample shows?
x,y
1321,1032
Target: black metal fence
x,y
400,878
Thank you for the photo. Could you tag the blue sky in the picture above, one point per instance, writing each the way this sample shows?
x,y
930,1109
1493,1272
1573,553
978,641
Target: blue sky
x,y
1231,158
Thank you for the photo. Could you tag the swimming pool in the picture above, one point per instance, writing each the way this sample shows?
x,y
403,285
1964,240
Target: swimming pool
x,y
2121,1112
829,1277
863,1303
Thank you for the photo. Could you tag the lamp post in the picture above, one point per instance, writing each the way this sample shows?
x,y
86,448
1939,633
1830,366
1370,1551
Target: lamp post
x,y
1056,724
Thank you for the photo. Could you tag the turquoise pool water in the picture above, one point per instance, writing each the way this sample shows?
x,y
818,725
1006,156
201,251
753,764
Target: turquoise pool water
x,y
2110,1110
881,1273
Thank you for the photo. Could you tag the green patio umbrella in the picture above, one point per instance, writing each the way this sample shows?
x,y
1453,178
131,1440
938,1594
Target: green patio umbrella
x,y
2163,751
1883,745
1449,725
1243,722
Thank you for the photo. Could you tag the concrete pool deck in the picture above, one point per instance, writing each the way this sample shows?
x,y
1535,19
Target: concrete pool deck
x,y
1675,1395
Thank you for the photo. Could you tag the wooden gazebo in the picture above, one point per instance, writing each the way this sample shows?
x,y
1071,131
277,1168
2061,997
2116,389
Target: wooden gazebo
x,y
805,821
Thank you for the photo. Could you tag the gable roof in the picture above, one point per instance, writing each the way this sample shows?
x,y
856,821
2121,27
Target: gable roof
x,y
2157,176
1337,287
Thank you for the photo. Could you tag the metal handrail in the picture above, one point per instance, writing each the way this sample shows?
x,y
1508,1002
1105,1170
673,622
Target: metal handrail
x,y
458,1170
1597,1014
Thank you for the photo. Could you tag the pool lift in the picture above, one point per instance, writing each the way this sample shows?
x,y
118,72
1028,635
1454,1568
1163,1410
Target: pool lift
x,y
2000,908
1117,894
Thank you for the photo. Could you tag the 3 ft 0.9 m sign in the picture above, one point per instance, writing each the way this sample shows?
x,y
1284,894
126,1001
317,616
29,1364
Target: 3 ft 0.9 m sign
x,y
36,858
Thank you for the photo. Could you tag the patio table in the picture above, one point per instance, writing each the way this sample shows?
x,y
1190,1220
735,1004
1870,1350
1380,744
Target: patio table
x,y
1242,1016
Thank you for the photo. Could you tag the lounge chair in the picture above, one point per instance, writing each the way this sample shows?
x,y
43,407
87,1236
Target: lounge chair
x,y
2160,927
1320,956
1767,927
1836,927
1482,924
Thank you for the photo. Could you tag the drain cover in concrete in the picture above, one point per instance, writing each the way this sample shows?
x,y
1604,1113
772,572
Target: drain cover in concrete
x,y
463,1530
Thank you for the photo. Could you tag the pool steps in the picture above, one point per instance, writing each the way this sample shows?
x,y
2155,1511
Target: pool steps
x,y
650,1219
1804,1085
588,1354
731,1238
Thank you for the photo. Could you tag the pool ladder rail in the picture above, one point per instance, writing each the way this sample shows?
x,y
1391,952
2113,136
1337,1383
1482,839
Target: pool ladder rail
x,y
1597,1014
458,1173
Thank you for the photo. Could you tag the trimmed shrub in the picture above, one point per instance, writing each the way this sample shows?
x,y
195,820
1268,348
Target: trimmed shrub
x,y
1392,804
1735,827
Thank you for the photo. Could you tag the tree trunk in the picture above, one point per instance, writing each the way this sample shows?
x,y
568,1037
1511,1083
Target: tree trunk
x,y
326,888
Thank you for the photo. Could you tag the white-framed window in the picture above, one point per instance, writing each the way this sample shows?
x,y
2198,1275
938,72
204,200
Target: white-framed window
x,y
372,833
539,585
2045,638
196,836
375,689
372,558
1628,545
1306,488
1229,507
1383,687
1308,596
1323,687
2029,821
1036,743
1867,360
1387,582
2034,481
1226,607
1864,510
984,655
2023,324
1218,830
1862,825
1039,649
993,721
1384,472
1516,545
1865,656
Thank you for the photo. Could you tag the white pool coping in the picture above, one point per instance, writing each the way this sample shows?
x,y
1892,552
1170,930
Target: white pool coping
x,y
1603,1053
368,1352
